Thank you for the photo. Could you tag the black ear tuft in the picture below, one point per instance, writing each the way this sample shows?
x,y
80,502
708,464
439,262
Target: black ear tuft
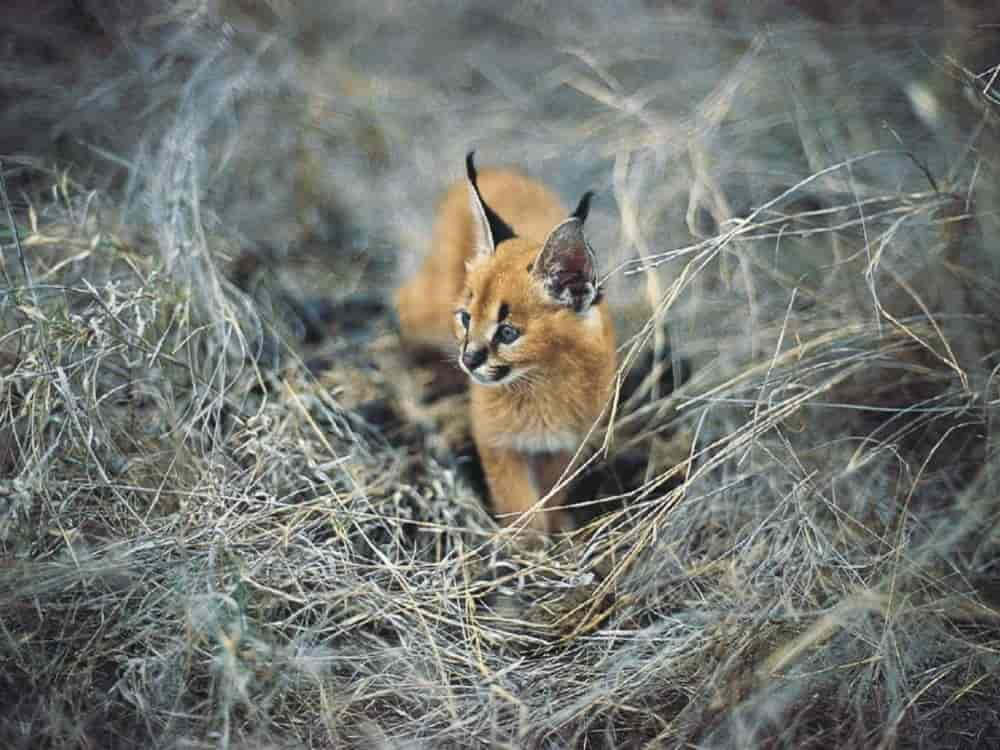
x,y
583,207
470,169
499,229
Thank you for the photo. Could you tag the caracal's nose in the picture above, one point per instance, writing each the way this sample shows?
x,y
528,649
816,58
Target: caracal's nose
x,y
472,358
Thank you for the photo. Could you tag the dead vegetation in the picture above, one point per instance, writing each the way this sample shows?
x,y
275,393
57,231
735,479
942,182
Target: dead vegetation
x,y
232,514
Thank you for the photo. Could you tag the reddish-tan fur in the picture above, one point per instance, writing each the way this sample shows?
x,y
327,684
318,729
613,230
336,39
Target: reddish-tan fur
x,y
426,303
534,400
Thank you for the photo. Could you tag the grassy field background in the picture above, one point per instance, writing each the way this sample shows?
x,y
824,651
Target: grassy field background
x,y
234,515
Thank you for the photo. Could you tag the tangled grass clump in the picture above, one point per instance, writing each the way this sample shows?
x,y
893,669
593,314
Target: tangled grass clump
x,y
234,514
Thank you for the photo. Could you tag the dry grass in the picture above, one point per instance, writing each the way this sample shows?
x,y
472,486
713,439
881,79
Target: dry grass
x,y
230,519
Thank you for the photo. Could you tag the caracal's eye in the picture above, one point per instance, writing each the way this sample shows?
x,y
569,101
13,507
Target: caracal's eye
x,y
506,334
463,318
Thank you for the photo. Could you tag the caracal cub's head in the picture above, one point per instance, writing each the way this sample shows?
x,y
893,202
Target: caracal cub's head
x,y
525,305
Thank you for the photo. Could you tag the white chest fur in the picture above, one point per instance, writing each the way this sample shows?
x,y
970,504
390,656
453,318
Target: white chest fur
x,y
544,441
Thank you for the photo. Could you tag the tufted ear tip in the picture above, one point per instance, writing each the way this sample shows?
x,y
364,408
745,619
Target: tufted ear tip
x,y
490,229
470,167
583,207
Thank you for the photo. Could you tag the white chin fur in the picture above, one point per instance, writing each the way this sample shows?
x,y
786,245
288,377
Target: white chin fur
x,y
479,380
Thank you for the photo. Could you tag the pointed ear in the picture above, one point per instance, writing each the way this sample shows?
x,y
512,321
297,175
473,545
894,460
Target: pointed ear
x,y
583,207
566,265
490,230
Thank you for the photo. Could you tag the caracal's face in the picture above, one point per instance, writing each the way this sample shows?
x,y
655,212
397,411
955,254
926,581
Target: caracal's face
x,y
524,303
503,323
510,332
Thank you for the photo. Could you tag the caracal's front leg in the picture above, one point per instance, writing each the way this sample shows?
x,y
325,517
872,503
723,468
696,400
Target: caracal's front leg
x,y
517,482
549,468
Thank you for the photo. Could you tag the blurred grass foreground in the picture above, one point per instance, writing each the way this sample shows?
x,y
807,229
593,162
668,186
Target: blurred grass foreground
x,y
233,514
